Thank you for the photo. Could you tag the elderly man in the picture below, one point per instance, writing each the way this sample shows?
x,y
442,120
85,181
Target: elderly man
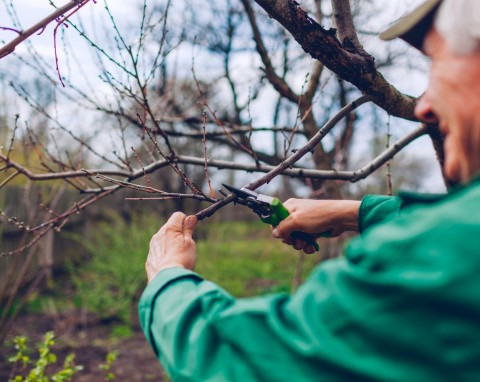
x,y
403,304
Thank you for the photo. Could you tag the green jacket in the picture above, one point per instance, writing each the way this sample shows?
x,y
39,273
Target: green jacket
x,y
403,304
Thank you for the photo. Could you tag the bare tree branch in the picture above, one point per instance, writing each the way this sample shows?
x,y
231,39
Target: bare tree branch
x,y
346,33
277,82
356,67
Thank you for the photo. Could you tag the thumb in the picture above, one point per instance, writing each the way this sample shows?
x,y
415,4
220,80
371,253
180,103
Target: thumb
x,y
176,220
189,225
284,228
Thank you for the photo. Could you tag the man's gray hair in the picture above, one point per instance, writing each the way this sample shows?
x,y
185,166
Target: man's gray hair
x,y
458,22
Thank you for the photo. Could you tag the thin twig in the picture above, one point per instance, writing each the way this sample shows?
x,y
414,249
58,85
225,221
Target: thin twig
x,y
39,27
126,183
11,30
171,195
10,178
214,115
63,19
12,141
172,162
141,166
204,140
389,167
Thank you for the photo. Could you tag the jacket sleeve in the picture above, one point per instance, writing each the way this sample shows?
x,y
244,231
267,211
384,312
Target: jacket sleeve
x,y
201,333
377,208
345,323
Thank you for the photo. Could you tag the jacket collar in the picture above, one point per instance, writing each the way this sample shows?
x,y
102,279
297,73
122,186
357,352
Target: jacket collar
x,y
409,197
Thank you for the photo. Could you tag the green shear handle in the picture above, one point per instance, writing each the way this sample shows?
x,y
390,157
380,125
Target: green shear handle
x,y
280,213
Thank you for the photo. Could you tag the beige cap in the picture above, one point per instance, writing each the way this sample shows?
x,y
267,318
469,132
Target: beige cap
x,y
414,26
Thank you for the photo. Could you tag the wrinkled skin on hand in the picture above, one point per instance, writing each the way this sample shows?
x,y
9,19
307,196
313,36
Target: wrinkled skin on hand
x,y
172,246
317,217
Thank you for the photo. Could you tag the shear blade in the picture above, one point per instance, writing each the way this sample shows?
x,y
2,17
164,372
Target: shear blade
x,y
242,194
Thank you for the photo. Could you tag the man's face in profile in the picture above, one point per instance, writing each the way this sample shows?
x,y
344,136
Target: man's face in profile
x,y
452,100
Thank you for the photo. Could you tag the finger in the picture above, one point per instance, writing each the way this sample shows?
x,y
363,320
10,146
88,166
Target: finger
x,y
309,249
290,204
176,220
299,244
275,233
189,225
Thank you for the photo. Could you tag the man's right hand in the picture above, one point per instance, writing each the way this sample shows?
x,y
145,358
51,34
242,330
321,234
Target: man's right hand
x,y
317,217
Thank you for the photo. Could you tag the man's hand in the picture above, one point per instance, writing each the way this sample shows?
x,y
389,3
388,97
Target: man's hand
x,y
172,245
317,217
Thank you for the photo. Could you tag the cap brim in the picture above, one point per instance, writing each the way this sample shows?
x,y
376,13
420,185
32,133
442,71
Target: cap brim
x,y
414,26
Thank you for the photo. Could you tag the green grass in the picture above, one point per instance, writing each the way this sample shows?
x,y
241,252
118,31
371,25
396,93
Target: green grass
x,y
109,284
244,259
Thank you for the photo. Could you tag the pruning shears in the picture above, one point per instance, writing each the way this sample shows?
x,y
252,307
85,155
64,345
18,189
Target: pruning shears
x,y
270,210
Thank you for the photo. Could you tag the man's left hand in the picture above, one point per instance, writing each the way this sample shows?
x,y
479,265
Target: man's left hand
x,y
172,246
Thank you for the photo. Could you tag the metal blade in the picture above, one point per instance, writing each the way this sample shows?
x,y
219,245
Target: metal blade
x,y
241,193
252,200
